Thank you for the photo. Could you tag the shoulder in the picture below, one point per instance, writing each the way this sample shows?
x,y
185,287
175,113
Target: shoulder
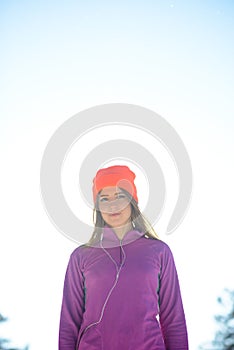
x,y
159,249
157,244
82,254
80,251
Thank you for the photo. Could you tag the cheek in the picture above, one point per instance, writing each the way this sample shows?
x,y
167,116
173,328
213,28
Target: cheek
x,y
103,214
127,211
105,217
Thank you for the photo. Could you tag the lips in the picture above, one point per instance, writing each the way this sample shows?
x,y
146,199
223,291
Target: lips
x,y
114,214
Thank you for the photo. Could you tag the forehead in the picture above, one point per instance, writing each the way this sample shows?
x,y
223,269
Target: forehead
x,y
110,191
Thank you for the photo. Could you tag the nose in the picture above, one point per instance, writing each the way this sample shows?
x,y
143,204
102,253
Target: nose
x,y
113,206
113,203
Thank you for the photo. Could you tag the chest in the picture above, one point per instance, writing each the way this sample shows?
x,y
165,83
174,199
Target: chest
x,y
140,267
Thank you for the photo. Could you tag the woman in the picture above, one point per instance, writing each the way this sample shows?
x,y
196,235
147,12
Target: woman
x,y
121,289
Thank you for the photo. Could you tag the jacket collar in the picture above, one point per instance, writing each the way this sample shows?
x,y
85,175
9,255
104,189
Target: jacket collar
x,y
110,238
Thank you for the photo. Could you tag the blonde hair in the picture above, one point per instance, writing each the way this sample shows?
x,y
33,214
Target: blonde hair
x,y
139,221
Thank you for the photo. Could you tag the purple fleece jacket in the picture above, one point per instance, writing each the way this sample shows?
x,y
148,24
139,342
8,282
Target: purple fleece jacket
x,y
127,305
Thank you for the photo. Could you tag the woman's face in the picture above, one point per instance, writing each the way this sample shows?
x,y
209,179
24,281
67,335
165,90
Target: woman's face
x,y
114,206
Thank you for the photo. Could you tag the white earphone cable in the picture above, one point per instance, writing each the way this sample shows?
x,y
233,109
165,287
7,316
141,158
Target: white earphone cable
x,y
118,270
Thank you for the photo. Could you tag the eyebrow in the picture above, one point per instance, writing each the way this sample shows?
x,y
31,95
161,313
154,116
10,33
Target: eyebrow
x,y
107,195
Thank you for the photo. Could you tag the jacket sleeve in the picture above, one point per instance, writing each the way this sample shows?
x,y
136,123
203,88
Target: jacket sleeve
x,y
72,304
171,312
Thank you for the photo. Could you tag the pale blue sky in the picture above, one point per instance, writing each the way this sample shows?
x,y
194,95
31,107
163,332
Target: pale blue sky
x,y
58,58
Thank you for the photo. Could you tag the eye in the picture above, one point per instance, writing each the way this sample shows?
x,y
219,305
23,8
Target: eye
x,y
103,199
121,196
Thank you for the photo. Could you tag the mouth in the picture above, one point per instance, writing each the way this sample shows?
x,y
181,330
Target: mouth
x,y
114,214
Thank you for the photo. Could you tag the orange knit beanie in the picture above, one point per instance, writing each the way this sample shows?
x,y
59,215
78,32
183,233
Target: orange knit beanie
x,y
118,175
